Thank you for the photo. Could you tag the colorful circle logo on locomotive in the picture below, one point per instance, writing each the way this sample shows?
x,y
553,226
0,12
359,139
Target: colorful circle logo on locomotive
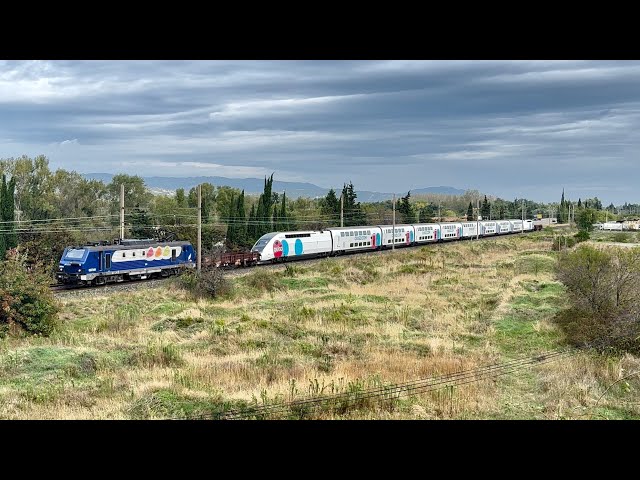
x,y
277,249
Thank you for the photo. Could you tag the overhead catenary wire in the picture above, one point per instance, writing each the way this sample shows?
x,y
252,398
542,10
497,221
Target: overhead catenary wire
x,y
402,389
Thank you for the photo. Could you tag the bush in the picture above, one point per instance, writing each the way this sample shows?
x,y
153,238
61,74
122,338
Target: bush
x,y
210,283
563,241
604,289
26,302
582,236
622,237
262,280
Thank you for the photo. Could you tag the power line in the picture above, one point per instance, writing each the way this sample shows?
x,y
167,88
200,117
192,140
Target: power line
x,y
398,390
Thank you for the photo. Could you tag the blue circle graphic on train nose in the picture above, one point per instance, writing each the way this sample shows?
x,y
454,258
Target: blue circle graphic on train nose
x,y
285,248
298,247
378,242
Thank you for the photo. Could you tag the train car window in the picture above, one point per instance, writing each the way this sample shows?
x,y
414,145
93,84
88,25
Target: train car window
x,y
107,261
99,261
351,245
124,254
133,254
173,255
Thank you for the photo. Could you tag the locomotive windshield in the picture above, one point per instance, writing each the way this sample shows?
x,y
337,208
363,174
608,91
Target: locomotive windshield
x,y
75,254
262,242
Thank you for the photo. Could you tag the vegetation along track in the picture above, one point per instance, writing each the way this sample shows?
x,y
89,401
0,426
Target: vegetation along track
x,y
130,285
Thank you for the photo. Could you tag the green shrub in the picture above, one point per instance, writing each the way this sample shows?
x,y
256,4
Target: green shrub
x,y
262,280
210,283
622,237
26,302
604,289
582,236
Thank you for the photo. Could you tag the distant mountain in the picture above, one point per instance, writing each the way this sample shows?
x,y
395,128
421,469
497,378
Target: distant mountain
x,y
256,186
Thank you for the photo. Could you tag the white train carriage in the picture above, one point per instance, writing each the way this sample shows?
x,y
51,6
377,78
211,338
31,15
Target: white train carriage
x,y
488,228
528,225
405,235
279,246
450,231
427,232
356,238
516,226
469,229
503,226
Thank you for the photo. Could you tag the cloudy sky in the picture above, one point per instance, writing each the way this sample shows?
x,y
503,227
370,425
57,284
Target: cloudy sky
x,y
513,129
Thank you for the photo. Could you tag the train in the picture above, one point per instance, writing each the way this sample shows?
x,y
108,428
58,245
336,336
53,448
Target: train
x,y
277,247
125,260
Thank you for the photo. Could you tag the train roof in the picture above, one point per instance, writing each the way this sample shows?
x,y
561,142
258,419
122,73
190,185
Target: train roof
x,y
137,246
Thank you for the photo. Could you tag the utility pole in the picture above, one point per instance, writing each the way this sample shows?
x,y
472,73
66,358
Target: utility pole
x,y
393,238
121,212
522,227
342,210
199,253
439,216
478,219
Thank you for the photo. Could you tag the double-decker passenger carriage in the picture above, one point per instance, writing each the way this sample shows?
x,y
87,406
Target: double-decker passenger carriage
x,y
450,231
127,260
470,229
516,226
347,239
488,228
503,226
427,232
404,235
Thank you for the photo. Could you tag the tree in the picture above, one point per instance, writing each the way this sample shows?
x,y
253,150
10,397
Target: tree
x,y
141,224
561,211
282,220
604,288
501,212
181,200
585,219
407,214
579,203
209,199
470,212
252,235
240,221
265,209
26,302
485,210
330,207
427,214
136,194
353,214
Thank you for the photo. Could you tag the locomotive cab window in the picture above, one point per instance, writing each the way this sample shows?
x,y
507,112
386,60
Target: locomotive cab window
x,y
107,261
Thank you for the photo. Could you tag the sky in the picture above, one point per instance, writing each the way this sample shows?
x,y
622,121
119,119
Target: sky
x,y
507,128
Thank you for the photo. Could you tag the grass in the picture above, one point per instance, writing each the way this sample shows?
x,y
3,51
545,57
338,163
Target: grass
x,y
340,325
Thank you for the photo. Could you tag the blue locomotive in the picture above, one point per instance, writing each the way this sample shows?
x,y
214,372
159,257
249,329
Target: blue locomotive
x,y
126,260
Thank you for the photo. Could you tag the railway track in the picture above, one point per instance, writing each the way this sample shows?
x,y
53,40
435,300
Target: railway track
x,y
236,272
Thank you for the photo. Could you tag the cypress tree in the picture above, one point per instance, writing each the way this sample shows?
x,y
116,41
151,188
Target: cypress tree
x,y
561,213
486,208
470,212
241,221
251,227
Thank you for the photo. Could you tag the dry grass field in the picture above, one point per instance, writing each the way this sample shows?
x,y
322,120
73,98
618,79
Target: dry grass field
x,y
337,325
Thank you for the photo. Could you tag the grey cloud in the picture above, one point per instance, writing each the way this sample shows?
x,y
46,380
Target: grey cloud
x,y
507,128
